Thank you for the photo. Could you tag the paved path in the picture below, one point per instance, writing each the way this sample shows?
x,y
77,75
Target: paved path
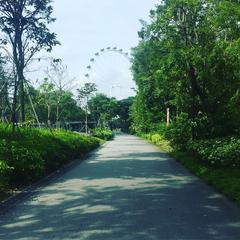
x,y
128,190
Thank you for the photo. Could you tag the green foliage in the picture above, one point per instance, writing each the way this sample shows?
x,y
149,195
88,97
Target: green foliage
x,y
219,152
53,104
111,113
28,154
103,133
180,132
124,120
3,167
103,109
159,140
24,29
188,60
85,92
155,138
25,163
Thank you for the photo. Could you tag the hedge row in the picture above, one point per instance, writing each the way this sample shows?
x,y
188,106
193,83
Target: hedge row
x,y
27,154
218,151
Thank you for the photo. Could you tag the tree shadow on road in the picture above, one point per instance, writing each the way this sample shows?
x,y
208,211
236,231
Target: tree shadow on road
x,y
129,196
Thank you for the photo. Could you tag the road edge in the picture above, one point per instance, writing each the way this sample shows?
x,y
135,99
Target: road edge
x,y
24,194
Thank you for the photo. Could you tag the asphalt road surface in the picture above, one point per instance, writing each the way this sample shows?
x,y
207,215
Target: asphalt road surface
x,y
127,190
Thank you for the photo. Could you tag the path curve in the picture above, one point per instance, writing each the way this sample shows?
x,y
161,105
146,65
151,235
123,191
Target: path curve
x,y
127,190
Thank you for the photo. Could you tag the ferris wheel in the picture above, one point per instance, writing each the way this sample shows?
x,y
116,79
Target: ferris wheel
x,y
118,85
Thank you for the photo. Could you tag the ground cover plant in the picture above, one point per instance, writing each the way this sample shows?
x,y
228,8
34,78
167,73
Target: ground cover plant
x,y
28,154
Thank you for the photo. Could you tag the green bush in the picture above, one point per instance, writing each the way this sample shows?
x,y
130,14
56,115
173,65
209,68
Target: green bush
x,y
27,154
219,151
162,129
180,132
146,136
26,163
4,180
3,167
156,138
103,133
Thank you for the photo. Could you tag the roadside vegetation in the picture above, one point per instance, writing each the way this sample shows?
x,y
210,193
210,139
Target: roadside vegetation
x,y
103,133
186,69
187,63
216,161
28,154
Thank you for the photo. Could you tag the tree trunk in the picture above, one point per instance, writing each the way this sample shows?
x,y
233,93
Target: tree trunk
x,y
86,123
58,114
22,94
194,94
14,105
49,113
197,91
21,78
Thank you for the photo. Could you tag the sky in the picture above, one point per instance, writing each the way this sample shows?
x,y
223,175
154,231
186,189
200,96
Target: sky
x,y
85,26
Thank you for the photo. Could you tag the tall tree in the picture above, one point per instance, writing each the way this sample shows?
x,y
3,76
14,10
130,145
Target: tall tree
x,y
84,94
58,75
46,97
5,81
124,113
103,109
188,59
24,23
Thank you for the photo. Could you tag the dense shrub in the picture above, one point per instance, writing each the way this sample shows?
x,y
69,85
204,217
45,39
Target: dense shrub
x,y
156,138
219,151
28,154
25,163
103,133
4,180
3,167
180,131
